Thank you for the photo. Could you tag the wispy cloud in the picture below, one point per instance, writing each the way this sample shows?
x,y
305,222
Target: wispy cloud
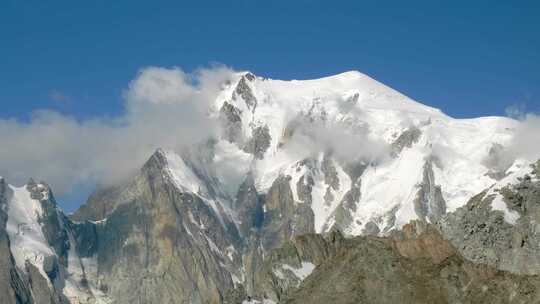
x,y
164,108
525,143
344,142
516,111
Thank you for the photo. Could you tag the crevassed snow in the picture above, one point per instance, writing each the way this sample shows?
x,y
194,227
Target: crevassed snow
x,y
27,242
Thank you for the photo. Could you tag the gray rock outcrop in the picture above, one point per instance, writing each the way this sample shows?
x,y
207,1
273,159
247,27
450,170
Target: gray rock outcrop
x,y
13,288
429,203
413,266
170,244
482,235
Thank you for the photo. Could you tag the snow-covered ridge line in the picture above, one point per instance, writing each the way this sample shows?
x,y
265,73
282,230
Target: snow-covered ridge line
x,y
182,176
27,242
355,101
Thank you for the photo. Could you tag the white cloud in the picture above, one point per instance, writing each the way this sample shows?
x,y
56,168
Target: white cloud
x,y
345,143
526,142
160,85
164,108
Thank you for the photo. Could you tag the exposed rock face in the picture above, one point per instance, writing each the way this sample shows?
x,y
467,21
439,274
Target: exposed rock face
x,y
429,203
330,172
235,296
55,229
284,218
330,178
484,236
249,206
406,140
244,91
415,266
343,214
168,243
231,120
99,204
259,142
52,221
26,282
304,188
41,292
284,268
13,288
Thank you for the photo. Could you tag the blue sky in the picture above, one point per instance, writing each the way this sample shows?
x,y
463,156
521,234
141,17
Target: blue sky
x,y
468,58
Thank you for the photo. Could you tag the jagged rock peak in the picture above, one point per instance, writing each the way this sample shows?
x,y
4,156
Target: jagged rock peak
x,y
158,158
40,191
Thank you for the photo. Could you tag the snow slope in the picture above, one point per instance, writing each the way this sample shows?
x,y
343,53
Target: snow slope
x,y
27,242
355,102
359,119
29,245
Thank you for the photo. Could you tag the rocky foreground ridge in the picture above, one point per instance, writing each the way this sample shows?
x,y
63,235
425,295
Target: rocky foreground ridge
x,y
414,265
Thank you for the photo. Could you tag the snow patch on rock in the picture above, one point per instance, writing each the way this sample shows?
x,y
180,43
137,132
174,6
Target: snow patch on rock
x,y
518,169
27,242
301,273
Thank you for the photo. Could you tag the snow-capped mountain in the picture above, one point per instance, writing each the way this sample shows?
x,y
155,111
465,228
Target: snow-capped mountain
x,y
294,157
44,252
406,158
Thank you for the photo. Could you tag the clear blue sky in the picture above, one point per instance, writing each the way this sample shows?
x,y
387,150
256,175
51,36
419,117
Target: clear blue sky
x,y
468,58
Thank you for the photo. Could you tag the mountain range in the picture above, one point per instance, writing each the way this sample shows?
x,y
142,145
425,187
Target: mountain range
x,y
337,189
